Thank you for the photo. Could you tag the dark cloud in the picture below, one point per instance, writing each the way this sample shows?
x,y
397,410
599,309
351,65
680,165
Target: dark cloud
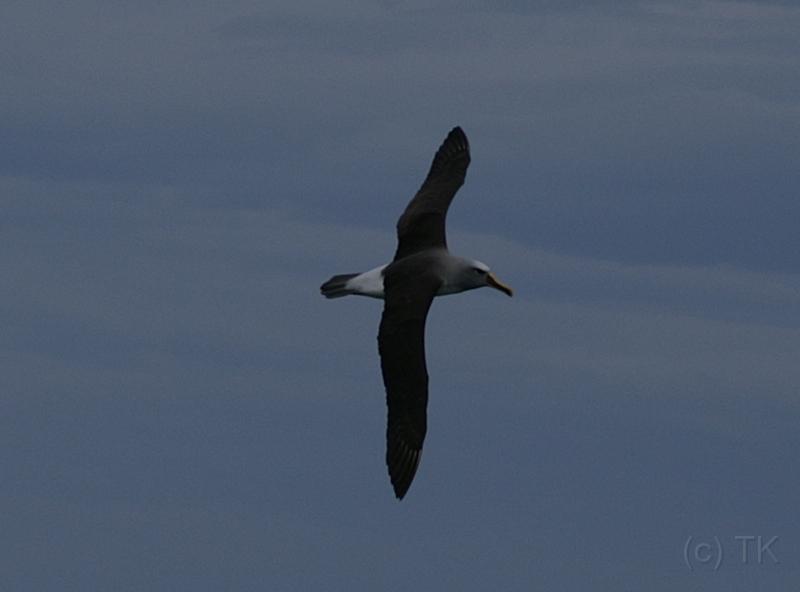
x,y
679,116
181,408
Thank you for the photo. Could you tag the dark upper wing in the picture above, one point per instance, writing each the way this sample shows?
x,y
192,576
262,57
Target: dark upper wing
x,y
422,224
401,342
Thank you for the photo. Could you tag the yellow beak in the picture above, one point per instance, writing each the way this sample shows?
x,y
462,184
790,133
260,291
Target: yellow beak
x,y
491,280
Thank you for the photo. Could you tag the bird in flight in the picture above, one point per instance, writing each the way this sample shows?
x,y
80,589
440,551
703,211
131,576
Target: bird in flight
x,y
422,269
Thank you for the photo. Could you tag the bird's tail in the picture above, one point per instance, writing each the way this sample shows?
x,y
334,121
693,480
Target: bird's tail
x,y
336,287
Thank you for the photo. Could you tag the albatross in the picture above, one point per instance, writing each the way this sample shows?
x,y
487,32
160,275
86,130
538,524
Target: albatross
x,y
422,269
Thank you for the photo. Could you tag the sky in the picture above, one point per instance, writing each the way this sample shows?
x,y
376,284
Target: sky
x,y
182,410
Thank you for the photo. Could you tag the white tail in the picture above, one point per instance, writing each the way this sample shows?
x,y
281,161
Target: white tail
x,y
336,287
369,283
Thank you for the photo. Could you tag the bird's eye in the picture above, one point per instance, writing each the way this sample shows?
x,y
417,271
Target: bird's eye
x,y
478,271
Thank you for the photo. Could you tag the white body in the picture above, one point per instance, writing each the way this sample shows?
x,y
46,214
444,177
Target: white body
x,y
369,283
457,277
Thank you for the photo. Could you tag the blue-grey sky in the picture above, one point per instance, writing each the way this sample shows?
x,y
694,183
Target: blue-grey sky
x,y
181,410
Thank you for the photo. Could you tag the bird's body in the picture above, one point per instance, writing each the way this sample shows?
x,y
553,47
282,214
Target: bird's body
x,y
422,269
457,275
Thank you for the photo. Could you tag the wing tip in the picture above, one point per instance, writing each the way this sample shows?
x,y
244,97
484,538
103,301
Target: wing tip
x,y
402,463
457,131
457,138
453,152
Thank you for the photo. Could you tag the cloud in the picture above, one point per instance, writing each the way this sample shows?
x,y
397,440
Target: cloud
x,y
177,181
661,132
133,279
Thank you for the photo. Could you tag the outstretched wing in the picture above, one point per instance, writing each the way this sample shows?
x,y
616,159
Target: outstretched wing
x,y
422,225
401,343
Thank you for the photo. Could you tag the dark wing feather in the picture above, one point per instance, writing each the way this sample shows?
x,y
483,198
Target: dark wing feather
x,y
401,343
422,225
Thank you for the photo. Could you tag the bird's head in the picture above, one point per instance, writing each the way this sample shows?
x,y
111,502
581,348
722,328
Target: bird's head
x,y
479,275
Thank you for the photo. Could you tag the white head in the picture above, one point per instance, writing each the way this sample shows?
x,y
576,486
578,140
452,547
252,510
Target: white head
x,y
472,274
